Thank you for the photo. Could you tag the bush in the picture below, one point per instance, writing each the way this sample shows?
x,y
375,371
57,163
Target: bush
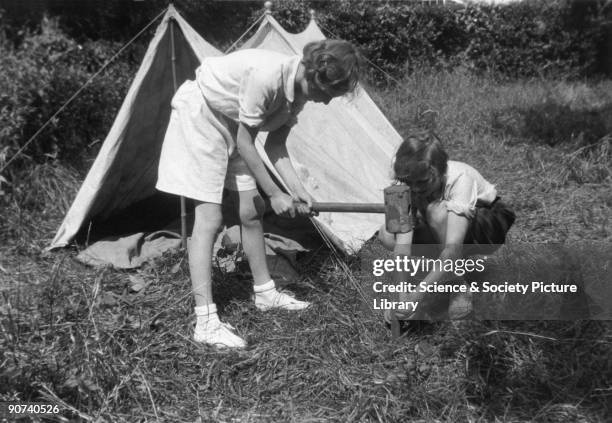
x,y
394,36
37,78
534,38
564,38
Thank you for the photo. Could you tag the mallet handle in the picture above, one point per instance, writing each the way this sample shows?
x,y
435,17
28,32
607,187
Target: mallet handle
x,y
349,207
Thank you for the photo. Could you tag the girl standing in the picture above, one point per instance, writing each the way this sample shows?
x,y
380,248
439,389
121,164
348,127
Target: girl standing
x,y
209,147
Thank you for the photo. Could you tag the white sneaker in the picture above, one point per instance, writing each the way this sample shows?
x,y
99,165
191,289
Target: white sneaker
x,y
274,299
219,334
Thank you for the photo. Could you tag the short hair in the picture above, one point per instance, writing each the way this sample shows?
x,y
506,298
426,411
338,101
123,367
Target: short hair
x,y
420,151
333,65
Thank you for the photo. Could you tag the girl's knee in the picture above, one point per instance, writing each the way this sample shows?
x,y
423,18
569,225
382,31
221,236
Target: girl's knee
x,y
208,218
386,238
251,210
437,215
437,212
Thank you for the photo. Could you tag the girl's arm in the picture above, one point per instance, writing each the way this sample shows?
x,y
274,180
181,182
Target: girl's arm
x,y
462,194
456,229
453,238
281,202
276,148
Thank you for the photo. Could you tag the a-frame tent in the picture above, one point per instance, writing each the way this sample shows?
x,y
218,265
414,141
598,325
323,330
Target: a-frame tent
x,y
125,169
341,151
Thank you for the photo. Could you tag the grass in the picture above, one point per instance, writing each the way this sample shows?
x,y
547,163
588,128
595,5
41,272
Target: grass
x,y
82,338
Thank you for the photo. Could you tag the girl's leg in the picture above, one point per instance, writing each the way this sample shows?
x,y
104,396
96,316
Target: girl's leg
x,y
437,215
386,238
209,329
401,245
251,208
208,221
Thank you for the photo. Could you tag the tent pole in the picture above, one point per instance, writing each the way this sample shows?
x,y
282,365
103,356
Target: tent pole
x,y
183,206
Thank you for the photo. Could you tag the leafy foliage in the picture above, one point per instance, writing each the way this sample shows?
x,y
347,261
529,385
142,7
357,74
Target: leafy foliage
x,y
534,38
38,77
530,38
219,22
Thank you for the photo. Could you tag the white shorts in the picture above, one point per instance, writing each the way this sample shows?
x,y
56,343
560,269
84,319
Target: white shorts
x,y
199,156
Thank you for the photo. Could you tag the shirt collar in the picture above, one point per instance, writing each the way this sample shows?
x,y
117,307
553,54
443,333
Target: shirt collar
x,y
290,68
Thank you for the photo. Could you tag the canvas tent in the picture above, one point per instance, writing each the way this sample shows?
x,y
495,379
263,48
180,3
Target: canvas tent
x,y
342,151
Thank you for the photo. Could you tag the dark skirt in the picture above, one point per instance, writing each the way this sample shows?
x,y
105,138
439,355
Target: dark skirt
x,y
486,232
490,224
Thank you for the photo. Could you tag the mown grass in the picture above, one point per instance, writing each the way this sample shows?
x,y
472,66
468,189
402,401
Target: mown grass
x,y
80,337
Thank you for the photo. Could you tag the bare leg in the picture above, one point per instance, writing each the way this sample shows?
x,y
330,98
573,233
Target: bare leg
x,y
386,238
209,329
437,216
251,209
207,224
402,246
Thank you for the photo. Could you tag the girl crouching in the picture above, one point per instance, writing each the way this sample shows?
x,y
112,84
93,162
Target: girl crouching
x,y
458,213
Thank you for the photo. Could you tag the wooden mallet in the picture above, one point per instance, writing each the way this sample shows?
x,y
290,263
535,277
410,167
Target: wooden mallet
x,y
398,219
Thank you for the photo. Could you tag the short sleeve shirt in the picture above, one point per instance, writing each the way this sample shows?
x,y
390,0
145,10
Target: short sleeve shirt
x,y
465,187
252,86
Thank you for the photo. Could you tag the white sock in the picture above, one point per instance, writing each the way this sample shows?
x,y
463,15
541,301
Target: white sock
x,y
265,287
267,296
206,313
264,294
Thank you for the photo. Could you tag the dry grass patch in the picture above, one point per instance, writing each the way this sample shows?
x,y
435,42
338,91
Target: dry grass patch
x,y
89,340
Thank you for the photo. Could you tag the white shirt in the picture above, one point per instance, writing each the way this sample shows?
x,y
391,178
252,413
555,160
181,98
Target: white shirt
x,y
253,86
465,187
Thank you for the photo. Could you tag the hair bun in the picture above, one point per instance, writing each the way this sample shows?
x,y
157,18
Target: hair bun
x,y
334,65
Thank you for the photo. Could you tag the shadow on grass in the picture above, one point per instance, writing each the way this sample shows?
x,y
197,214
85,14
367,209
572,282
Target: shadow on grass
x,y
582,136
540,368
553,124
233,281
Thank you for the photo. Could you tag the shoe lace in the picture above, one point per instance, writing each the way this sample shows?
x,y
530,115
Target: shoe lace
x,y
226,326
286,292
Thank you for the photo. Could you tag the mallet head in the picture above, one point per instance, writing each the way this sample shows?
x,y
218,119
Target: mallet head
x,y
398,209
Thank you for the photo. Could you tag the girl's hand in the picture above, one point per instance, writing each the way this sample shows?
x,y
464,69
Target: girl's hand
x,y
283,205
399,315
303,202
